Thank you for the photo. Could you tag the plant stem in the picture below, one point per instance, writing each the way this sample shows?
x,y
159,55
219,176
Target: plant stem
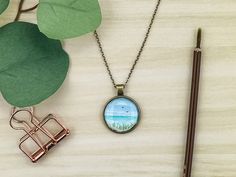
x,y
29,9
20,10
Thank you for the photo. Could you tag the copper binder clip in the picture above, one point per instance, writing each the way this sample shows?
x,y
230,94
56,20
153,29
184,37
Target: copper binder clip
x,y
40,136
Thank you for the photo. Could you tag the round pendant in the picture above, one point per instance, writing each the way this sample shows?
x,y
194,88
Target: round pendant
x,y
121,114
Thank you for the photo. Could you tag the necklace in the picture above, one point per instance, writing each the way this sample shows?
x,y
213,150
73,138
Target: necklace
x,y
121,113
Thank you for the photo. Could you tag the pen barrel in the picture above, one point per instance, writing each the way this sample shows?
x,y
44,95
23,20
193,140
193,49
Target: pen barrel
x,y
192,113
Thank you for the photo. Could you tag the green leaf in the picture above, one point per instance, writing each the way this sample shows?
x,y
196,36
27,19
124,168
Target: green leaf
x,y
3,5
33,67
62,19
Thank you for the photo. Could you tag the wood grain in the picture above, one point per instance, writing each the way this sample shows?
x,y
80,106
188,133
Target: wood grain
x,y
160,85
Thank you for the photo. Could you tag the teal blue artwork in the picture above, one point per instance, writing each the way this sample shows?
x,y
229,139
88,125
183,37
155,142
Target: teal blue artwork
x,y
121,114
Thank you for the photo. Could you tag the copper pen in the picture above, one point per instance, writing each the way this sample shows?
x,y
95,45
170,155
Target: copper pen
x,y
193,108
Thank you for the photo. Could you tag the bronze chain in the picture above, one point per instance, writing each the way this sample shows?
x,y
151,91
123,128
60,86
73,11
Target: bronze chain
x,y
139,53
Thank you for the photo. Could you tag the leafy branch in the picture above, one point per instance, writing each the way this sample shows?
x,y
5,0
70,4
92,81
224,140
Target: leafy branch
x,y
34,64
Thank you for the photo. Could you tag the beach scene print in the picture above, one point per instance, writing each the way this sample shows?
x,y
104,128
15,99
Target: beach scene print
x,y
121,114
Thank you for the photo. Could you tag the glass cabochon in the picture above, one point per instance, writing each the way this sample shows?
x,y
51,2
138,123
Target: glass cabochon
x,y
121,114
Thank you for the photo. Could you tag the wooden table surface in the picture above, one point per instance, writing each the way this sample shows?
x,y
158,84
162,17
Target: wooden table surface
x,y
160,84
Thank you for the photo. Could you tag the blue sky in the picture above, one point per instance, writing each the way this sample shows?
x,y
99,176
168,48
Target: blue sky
x,y
121,107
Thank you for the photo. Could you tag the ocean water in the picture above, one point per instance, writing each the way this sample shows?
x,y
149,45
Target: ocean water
x,y
121,119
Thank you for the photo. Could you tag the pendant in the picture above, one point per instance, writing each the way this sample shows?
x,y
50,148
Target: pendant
x,y
121,113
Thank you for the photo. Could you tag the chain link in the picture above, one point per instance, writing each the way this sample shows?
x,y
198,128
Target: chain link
x,y
139,53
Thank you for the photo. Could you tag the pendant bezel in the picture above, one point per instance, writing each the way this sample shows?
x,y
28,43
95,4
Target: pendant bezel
x,y
138,109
